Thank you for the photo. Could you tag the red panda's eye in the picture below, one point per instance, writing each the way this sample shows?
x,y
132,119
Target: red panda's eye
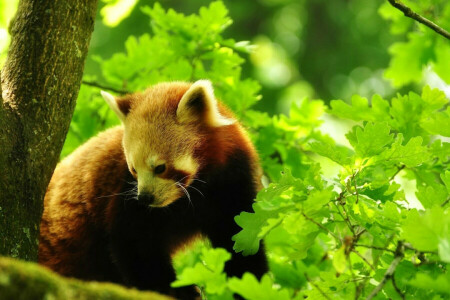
x,y
160,169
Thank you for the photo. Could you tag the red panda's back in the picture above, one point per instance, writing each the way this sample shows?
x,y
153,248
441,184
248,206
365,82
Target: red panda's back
x,y
74,221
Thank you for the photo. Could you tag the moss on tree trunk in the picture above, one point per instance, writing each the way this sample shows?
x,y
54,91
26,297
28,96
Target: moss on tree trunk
x,y
24,280
39,84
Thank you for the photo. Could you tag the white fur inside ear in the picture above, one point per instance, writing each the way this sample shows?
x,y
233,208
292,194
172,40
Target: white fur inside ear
x,y
187,114
112,102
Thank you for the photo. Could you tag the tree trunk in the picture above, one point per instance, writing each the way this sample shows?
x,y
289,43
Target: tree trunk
x,y
39,84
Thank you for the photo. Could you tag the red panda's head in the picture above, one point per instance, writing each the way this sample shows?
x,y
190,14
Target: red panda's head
x,y
163,127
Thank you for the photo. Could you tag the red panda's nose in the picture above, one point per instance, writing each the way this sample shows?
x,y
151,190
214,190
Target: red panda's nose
x,y
146,198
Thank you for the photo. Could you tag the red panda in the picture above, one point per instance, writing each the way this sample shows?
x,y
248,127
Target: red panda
x,y
119,206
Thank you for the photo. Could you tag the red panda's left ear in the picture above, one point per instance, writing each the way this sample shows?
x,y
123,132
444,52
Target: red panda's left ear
x,y
198,104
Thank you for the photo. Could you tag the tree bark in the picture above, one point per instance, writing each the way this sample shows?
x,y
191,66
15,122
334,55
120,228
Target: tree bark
x,y
39,84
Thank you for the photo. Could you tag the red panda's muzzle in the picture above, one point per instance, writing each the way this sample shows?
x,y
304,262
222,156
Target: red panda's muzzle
x,y
146,199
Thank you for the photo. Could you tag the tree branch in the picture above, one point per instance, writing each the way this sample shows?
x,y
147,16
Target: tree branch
x,y
390,271
105,87
375,247
411,14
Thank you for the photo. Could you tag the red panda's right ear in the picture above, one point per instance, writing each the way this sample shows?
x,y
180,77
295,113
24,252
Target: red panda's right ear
x,y
120,106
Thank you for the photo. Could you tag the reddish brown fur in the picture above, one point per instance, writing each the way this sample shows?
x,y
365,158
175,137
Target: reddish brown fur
x,y
84,200
76,202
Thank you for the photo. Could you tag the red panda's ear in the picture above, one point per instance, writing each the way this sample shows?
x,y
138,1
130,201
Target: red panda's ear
x,y
198,104
120,106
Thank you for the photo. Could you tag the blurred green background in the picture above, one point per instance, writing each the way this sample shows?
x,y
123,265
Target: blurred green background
x,y
303,48
319,49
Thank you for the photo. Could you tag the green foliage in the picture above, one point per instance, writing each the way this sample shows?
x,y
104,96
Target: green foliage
x,y
7,9
423,46
336,215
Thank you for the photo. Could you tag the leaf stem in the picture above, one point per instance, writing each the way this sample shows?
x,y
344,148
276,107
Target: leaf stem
x,y
396,172
322,227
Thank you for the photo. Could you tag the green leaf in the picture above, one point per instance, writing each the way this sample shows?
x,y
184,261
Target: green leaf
x,y
434,98
441,66
440,150
340,260
215,258
249,288
372,139
247,240
359,110
411,155
429,231
207,274
338,154
438,123
406,112
440,284
431,196
408,59
316,200
446,179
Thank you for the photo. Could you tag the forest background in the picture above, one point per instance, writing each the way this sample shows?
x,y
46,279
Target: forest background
x,y
356,203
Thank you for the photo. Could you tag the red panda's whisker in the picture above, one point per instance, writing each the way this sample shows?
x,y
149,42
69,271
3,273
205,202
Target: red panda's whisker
x,y
185,191
125,193
190,186
196,179
182,178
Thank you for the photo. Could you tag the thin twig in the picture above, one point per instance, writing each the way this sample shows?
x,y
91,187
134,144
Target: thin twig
x,y
390,271
397,289
360,289
356,188
364,259
396,172
445,202
346,219
375,247
321,226
317,287
104,87
410,247
350,266
409,13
